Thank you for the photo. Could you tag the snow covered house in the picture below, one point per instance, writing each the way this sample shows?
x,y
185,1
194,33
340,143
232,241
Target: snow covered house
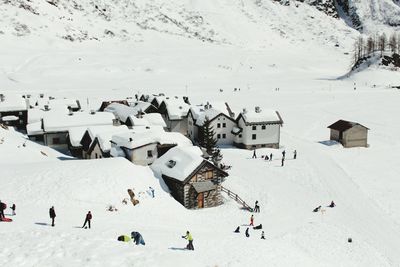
x,y
143,145
257,128
105,104
100,145
13,111
143,107
193,181
349,134
174,111
221,120
55,127
151,119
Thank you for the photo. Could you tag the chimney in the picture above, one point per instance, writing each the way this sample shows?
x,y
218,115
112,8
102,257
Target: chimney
x,y
70,113
186,100
244,111
257,109
176,97
130,139
115,122
41,95
228,108
2,98
46,107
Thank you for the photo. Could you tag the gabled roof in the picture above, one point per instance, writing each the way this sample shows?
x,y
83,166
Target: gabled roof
x,y
342,125
262,116
180,163
12,103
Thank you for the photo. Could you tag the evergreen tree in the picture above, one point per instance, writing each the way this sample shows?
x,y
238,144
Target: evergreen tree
x,y
207,139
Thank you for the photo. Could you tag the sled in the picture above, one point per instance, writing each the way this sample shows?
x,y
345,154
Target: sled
x,y
6,220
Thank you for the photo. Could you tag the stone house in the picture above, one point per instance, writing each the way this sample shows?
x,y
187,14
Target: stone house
x,y
349,134
193,181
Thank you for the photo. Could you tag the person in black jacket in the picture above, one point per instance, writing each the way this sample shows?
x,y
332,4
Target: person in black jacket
x,y
88,219
3,206
13,207
52,214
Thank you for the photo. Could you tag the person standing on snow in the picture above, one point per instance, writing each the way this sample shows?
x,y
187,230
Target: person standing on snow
x,y
189,238
262,235
254,154
332,205
151,191
283,162
88,219
247,232
283,154
52,214
252,220
295,154
3,206
13,207
270,157
256,207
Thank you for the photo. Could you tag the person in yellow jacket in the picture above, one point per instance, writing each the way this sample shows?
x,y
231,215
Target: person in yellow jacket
x,y
189,238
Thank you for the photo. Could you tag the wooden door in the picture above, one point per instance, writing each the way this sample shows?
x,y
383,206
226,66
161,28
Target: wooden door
x,y
200,200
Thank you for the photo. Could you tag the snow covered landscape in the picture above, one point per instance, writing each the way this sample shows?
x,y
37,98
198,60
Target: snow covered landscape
x,y
292,57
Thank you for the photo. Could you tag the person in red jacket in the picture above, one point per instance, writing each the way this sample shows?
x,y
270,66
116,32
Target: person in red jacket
x,y
88,219
252,220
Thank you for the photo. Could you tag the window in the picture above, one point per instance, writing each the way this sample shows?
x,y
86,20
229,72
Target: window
x,y
209,175
149,153
254,136
218,125
95,155
218,136
223,136
224,125
56,141
263,127
254,127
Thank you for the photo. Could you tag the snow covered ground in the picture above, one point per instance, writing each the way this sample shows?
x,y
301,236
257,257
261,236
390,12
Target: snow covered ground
x,y
264,49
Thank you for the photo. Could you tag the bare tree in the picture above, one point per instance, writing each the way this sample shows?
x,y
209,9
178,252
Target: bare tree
x,y
382,43
370,45
393,43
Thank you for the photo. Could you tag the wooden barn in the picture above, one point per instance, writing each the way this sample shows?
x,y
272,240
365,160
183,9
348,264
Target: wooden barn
x,y
349,134
193,181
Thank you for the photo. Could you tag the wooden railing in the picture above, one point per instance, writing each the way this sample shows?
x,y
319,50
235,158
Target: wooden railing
x,y
236,197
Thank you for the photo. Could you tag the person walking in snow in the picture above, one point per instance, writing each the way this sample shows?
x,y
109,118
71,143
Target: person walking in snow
x,y
283,154
295,154
88,219
332,205
13,207
252,220
282,162
254,154
247,232
52,214
270,157
266,157
189,238
237,230
151,191
262,235
3,206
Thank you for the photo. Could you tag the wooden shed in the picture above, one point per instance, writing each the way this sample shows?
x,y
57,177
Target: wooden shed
x,y
349,134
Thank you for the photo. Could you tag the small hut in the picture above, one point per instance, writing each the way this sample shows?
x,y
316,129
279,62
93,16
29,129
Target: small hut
x,y
349,134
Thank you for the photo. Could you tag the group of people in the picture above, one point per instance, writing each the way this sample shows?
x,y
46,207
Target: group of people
x,y
269,158
3,207
258,227
332,205
52,214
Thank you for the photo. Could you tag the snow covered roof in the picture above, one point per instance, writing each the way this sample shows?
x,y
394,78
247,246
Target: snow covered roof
x,y
122,112
138,121
140,106
56,123
12,103
10,118
155,119
34,128
200,112
259,115
36,114
135,139
104,135
76,133
176,108
178,162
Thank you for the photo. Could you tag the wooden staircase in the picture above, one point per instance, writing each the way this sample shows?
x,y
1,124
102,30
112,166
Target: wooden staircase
x,y
236,198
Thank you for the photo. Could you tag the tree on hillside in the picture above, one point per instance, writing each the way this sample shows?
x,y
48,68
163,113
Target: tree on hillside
x,y
370,45
382,43
207,137
393,43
